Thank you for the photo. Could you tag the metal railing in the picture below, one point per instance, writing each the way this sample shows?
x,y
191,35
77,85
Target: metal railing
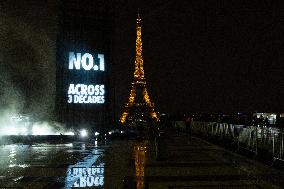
x,y
260,140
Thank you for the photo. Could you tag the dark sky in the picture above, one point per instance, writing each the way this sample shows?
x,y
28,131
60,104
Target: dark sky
x,y
220,56
199,56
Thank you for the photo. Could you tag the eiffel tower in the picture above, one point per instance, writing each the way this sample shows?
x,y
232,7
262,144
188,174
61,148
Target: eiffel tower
x,y
139,106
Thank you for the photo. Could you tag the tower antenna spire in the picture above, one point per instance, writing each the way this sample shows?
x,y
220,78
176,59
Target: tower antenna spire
x,y
138,20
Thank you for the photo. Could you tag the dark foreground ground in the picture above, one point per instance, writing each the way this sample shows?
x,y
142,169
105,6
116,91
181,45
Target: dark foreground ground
x,y
175,162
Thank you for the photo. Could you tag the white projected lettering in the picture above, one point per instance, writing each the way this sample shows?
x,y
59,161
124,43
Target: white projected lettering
x,y
86,94
86,61
102,61
86,176
80,93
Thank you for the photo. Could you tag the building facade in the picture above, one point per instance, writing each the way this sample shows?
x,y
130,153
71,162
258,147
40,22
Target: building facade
x,y
83,64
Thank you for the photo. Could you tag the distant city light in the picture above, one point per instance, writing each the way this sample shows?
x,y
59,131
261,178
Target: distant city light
x,y
69,133
38,130
69,145
83,133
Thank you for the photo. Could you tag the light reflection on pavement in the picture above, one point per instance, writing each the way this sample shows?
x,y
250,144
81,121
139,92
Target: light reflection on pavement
x,y
86,173
52,165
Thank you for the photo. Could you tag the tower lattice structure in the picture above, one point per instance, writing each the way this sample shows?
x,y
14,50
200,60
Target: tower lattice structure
x,y
139,106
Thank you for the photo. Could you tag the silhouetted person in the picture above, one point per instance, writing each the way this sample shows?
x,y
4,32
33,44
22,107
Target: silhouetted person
x,y
161,147
188,123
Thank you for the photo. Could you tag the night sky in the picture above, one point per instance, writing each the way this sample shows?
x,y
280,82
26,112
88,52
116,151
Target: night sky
x,y
205,56
199,56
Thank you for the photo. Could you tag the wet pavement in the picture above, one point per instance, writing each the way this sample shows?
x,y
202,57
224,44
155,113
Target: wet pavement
x,y
195,163
52,165
176,161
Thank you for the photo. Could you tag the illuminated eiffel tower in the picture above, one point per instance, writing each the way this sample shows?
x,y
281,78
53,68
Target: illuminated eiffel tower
x,y
139,106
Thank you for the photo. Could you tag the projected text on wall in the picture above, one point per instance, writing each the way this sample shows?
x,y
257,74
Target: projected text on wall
x,y
81,93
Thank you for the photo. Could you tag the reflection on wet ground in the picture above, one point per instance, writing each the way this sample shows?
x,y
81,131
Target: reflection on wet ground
x,y
52,165
87,172
102,164
139,154
176,161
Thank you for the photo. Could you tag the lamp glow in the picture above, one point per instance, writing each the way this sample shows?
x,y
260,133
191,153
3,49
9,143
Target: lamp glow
x,y
84,133
69,133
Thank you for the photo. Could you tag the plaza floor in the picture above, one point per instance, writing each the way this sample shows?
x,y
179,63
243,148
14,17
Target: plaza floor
x,y
195,163
175,162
